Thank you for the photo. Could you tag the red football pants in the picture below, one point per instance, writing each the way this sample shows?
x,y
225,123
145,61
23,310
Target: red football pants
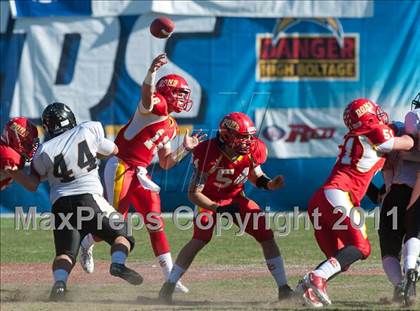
x,y
246,206
336,229
123,189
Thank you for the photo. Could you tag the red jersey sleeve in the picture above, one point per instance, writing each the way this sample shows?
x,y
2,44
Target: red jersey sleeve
x,y
380,134
259,152
160,107
10,159
381,138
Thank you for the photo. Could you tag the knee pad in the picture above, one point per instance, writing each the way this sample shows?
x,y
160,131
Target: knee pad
x,y
132,242
63,263
69,254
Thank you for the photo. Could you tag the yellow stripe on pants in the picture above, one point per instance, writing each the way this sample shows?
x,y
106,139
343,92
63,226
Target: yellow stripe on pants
x,y
356,214
118,183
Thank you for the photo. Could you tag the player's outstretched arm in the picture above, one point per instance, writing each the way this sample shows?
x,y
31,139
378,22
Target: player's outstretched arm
x,y
261,180
168,159
403,143
106,149
148,86
30,182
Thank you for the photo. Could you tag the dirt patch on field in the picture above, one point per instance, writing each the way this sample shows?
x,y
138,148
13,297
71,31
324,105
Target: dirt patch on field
x,y
40,273
212,287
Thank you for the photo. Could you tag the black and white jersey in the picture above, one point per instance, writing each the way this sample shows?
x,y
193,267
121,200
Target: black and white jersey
x,y
69,162
408,164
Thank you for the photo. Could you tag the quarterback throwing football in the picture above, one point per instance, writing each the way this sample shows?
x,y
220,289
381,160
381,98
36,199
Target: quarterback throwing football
x,y
150,130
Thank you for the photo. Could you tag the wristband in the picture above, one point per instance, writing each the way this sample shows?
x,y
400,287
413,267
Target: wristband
x,y
262,182
150,78
180,153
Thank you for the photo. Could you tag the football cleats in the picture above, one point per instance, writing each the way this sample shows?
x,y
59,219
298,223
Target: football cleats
x,y
22,136
236,130
362,114
57,118
176,92
415,103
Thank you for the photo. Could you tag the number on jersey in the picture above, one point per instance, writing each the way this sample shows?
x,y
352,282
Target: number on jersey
x,y
367,156
224,181
67,175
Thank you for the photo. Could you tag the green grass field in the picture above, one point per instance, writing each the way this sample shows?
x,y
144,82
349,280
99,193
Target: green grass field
x,y
228,274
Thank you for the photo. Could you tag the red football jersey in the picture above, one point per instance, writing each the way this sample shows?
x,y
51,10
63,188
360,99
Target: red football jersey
x,y
226,177
9,158
145,133
358,162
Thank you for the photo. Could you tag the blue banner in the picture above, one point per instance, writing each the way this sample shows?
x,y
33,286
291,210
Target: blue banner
x,y
97,65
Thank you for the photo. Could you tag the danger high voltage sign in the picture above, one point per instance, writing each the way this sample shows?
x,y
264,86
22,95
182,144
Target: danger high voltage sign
x,y
294,57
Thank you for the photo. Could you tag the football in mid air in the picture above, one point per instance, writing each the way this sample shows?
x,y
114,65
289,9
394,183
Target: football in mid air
x,y
162,27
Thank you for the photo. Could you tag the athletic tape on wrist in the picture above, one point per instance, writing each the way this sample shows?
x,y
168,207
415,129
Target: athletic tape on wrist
x,y
150,78
180,153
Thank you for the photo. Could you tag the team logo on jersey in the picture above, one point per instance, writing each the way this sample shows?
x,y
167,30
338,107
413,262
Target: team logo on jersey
x,y
282,55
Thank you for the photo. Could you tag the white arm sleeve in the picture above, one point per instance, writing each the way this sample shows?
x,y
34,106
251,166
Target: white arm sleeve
x,y
106,147
386,147
258,171
142,109
38,164
96,129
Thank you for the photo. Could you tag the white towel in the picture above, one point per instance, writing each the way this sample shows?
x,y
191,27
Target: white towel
x,y
145,181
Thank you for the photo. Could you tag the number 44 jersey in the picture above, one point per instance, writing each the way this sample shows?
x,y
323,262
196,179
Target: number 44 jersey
x,y
69,163
360,158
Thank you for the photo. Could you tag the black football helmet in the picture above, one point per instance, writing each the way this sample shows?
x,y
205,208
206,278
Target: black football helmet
x,y
57,118
416,102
